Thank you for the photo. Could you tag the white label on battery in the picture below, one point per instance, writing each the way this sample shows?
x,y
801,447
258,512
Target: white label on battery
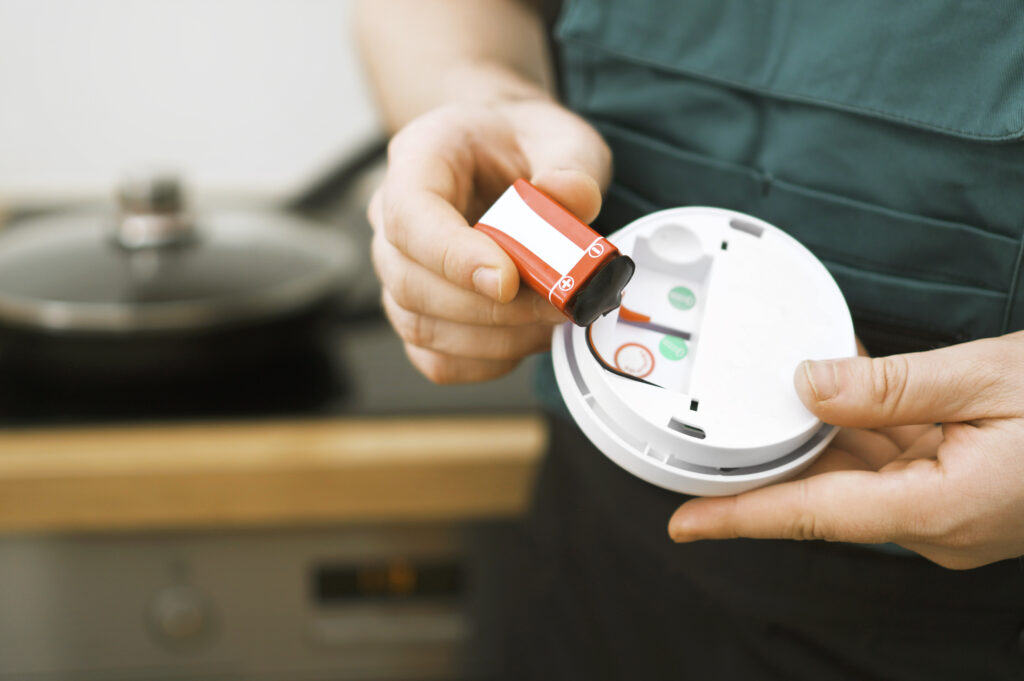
x,y
511,215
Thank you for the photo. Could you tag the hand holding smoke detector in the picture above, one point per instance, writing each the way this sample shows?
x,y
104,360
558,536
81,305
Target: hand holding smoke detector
x,y
688,385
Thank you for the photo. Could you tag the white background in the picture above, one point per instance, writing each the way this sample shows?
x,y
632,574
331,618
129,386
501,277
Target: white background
x,y
248,97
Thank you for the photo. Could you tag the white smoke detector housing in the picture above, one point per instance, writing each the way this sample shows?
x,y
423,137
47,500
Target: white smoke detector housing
x,y
689,383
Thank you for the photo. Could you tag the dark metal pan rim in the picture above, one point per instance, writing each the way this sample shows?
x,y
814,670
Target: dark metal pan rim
x,y
62,316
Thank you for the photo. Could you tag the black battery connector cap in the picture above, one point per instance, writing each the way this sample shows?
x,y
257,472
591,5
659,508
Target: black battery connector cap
x,y
603,293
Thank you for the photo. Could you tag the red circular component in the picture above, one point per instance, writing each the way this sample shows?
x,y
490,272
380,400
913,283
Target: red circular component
x,y
638,360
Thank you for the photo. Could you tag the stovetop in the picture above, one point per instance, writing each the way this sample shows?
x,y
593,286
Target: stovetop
x,y
359,370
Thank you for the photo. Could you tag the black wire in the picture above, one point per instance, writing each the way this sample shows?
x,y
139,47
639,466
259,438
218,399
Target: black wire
x,y
608,367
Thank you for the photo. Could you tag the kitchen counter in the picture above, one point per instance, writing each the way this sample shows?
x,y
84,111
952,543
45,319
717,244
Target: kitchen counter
x,y
251,521
376,442
352,434
277,473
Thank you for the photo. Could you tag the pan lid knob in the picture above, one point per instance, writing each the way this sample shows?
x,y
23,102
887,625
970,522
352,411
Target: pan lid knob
x,y
153,210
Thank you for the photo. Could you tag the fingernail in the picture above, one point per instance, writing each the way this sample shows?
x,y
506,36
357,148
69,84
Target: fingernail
x,y
683,537
679,532
487,280
822,378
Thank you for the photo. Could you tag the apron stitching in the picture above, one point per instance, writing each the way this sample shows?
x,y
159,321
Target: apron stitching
x,y
951,287
618,188
1009,135
648,140
1012,293
893,213
870,317
605,126
828,255
869,265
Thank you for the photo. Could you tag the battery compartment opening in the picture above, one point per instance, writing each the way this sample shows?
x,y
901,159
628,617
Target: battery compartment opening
x,y
654,336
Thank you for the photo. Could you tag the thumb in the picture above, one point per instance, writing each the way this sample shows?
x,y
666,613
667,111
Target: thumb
x,y
575,189
569,161
959,383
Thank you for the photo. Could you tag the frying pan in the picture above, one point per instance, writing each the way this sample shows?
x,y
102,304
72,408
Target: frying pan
x,y
152,290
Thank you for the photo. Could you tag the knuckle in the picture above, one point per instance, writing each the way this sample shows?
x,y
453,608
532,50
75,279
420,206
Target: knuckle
x,y
438,374
393,225
377,256
414,329
434,368
447,370
437,371
399,142
373,207
804,524
448,260
493,314
395,314
404,290
889,381
420,330
805,527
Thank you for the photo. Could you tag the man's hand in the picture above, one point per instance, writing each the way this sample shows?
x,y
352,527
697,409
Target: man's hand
x,y
953,493
451,293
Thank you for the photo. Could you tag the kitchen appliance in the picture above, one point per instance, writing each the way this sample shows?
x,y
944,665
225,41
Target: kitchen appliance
x,y
382,603
157,289
391,601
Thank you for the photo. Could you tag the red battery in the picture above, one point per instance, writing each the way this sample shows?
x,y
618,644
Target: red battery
x,y
579,271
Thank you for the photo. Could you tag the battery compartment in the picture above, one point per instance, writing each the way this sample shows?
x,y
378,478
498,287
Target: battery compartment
x,y
655,334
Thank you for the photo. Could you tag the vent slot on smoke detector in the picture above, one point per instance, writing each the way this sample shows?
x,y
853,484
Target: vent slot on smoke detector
x,y
687,429
744,226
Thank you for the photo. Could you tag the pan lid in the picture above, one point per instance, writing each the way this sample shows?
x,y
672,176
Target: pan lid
x,y
154,266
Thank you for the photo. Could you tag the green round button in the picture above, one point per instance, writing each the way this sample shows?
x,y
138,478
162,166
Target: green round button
x,y
673,348
682,298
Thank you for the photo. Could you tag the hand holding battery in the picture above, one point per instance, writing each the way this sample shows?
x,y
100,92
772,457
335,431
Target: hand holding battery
x,y
953,493
450,291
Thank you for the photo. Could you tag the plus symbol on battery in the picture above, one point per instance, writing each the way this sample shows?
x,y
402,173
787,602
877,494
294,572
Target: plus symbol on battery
x,y
566,283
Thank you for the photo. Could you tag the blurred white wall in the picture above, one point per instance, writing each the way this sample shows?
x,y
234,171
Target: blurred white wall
x,y
249,97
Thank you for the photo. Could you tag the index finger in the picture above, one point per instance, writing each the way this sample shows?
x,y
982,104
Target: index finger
x,y
850,506
420,218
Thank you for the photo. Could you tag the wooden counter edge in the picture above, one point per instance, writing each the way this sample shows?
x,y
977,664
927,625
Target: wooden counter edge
x,y
272,473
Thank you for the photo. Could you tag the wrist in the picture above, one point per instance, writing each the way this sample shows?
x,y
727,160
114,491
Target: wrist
x,y
491,83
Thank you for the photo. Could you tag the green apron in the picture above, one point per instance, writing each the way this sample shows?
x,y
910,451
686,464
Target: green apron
x,y
885,136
